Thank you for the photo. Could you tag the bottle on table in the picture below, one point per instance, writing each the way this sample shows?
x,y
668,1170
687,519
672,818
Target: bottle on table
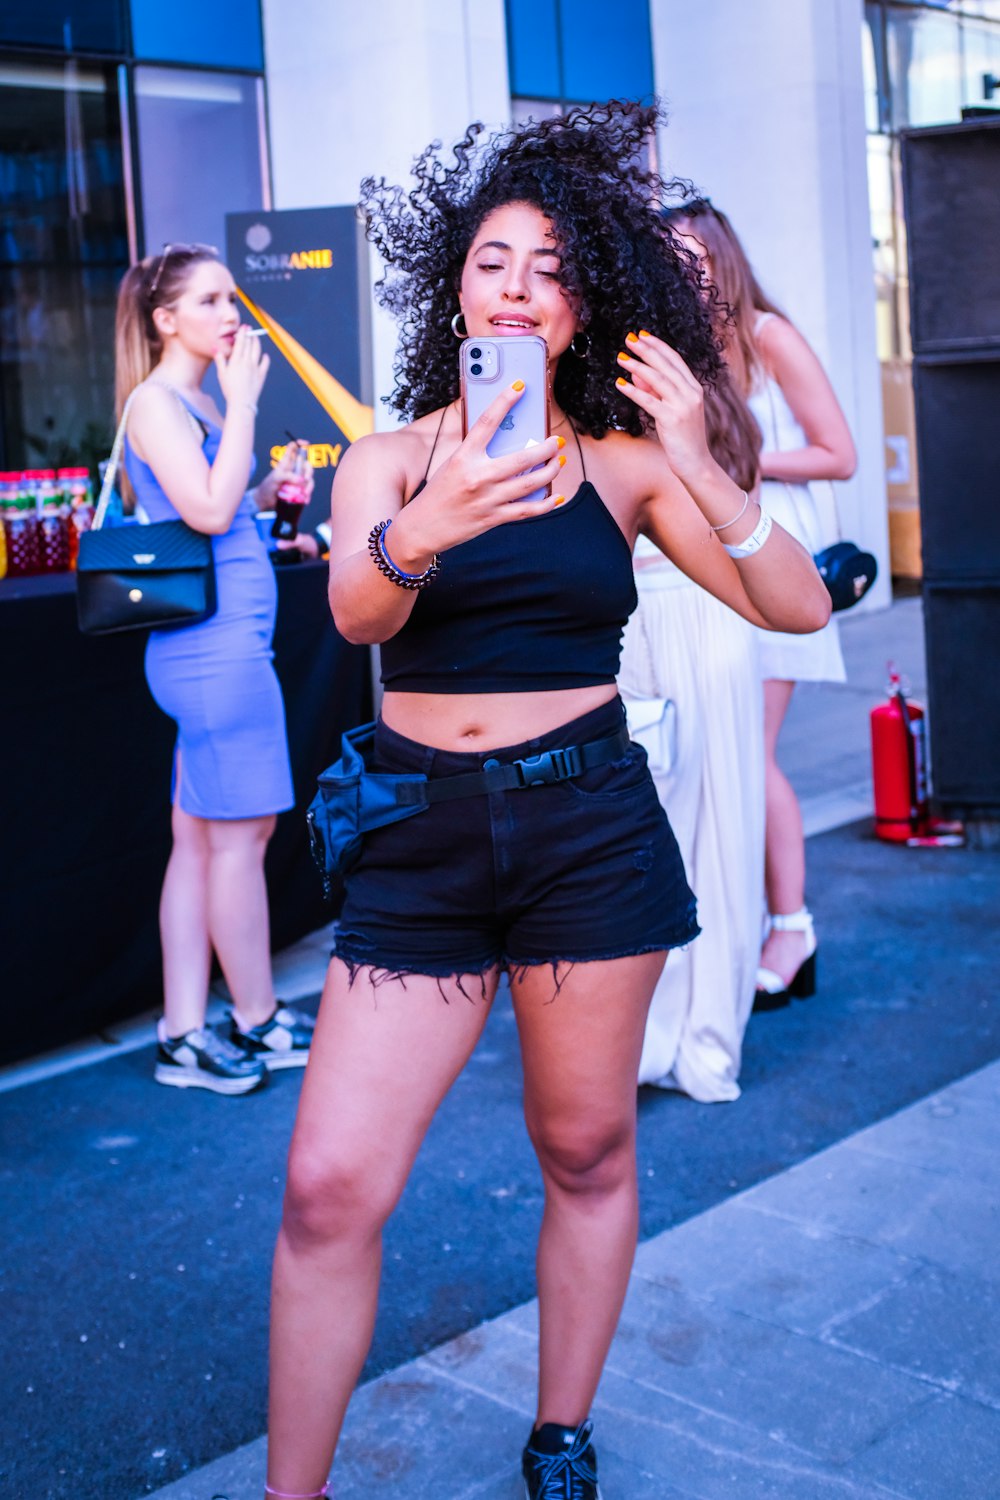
x,y
7,482
79,496
53,524
291,498
21,526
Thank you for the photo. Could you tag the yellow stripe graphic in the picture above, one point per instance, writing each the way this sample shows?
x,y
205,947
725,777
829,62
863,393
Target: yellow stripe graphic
x,y
352,417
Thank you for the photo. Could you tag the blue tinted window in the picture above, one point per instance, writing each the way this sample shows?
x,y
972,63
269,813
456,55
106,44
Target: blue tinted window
x,y
224,34
533,48
607,50
73,24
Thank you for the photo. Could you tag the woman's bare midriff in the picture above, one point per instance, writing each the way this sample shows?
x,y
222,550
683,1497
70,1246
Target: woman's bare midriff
x,y
472,722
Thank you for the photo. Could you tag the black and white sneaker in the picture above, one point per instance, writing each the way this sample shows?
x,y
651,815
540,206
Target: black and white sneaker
x,y
559,1463
282,1041
201,1059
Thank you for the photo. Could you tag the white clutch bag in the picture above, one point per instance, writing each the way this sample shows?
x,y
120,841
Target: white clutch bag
x,y
652,723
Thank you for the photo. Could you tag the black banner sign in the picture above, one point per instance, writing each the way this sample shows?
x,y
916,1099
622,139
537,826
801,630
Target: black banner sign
x,y
303,275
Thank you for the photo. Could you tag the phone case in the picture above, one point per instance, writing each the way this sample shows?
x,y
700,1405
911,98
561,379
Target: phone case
x,y
486,367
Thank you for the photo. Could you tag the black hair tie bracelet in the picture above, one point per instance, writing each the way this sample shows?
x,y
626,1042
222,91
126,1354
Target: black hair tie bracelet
x,y
388,569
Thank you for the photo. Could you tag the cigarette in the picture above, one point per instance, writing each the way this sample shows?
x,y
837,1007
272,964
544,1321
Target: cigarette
x,y
258,333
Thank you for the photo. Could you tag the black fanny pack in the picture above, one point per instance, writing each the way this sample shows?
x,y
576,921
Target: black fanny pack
x,y
352,800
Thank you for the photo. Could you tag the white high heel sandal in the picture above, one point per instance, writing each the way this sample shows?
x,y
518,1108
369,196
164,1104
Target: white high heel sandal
x,y
772,991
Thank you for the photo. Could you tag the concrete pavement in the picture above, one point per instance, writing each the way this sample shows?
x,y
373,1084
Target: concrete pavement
x,y
832,1334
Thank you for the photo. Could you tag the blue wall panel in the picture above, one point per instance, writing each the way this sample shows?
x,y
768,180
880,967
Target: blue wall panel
x,y
533,49
607,51
225,33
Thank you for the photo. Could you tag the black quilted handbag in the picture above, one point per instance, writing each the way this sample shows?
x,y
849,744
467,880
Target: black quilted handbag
x,y
144,578
152,577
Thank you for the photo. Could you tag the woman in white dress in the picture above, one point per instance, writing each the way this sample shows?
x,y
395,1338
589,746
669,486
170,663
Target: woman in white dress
x,y
706,753
806,438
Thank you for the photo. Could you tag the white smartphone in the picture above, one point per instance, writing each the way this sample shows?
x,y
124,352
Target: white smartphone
x,y
486,366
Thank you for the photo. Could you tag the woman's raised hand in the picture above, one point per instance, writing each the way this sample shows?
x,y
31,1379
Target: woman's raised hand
x,y
243,370
472,492
663,386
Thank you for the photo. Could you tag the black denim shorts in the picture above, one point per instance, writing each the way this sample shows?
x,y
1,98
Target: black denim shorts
x,y
570,872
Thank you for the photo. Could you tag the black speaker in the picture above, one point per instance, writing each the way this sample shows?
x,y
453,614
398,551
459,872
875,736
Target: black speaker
x,y
962,625
951,193
951,185
958,441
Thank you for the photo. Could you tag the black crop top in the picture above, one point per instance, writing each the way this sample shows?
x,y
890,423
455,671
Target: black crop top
x,y
526,606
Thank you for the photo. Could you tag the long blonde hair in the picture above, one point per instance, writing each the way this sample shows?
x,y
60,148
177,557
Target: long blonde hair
x,y
736,290
157,281
734,438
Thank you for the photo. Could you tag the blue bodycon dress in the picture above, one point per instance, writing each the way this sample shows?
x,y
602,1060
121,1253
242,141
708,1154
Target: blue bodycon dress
x,y
216,679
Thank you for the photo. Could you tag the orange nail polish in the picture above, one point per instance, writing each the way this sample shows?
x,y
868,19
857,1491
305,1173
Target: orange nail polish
x,y
561,441
644,333
621,380
518,385
562,460
626,359
630,338
559,500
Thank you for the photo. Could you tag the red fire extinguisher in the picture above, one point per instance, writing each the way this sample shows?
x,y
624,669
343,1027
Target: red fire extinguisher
x,y
899,766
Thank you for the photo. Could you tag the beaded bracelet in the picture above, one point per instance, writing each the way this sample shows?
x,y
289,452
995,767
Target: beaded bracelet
x,y
388,569
754,541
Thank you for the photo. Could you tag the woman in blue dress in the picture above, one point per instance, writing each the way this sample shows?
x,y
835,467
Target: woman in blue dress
x,y
177,315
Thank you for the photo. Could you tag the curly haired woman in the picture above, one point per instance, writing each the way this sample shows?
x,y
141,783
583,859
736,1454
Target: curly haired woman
x,y
574,887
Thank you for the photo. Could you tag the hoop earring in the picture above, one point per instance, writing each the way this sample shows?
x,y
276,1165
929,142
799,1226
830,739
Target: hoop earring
x,y
459,318
580,350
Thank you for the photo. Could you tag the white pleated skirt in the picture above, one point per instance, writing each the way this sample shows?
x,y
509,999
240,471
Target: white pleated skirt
x,y
683,644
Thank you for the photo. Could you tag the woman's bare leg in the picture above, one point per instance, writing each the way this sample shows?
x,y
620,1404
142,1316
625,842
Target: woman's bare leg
x,y
381,1062
785,849
581,1058
187,949
238,922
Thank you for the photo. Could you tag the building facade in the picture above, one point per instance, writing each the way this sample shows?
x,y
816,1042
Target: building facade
x,y
126,124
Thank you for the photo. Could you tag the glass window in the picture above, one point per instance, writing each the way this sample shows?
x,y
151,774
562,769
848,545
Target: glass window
x,y
606,56
875,69
980,56
925,66
565,50
63,248
70,25
880,197
199,153
533,49
223,34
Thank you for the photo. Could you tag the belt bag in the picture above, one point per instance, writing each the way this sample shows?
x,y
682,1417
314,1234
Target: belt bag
x,y
145,577
353,800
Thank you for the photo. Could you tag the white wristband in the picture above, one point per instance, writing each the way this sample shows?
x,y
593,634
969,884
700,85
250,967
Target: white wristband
x,y
754,541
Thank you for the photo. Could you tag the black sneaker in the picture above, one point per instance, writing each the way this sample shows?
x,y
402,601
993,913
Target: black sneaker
x,y
559,1463
201,1059
283,1041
